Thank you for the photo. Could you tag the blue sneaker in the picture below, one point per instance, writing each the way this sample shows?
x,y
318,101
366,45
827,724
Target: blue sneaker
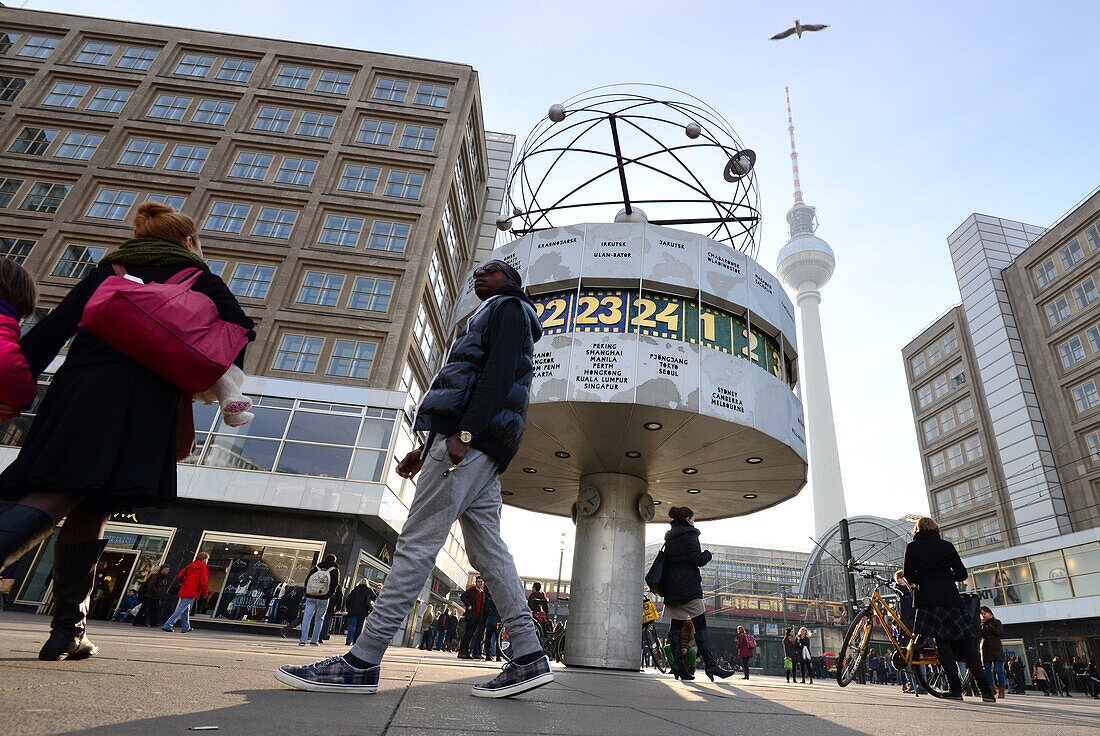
x,y
332,675
516,679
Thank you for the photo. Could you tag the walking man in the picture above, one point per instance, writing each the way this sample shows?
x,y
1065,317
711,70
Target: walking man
x,y
195,584
993,654
150,593
474,600
475,414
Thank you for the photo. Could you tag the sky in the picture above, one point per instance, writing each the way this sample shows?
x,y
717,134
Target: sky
x,y
909,117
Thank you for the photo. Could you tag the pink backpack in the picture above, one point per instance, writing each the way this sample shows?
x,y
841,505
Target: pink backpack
x,y
165,327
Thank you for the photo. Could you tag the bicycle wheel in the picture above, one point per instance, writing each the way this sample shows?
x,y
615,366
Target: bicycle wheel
x,y
559,650
933,678
854,650
653,642
503,645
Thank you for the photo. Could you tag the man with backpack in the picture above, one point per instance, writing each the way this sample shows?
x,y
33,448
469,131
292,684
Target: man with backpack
x,y
321,584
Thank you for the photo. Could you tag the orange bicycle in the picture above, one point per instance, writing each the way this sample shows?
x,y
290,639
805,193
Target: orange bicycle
x,y
918,655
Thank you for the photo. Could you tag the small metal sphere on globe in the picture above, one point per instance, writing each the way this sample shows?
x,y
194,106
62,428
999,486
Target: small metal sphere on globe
x,y
637,214
693,130
516,211
504,224
557,113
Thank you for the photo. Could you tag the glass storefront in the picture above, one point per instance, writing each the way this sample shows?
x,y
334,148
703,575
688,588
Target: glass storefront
x,y
371,569
1073,572
255,579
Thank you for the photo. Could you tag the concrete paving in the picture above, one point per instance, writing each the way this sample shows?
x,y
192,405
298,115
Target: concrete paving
x,y
147,682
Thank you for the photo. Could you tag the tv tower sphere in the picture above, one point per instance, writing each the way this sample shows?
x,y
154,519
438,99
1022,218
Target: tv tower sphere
x,y
805,259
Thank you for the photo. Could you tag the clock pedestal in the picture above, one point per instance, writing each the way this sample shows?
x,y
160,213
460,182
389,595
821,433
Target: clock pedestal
x,y
605,600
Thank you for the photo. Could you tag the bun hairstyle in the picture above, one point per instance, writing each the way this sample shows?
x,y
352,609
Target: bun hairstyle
x,y
680,512
17,287
160,221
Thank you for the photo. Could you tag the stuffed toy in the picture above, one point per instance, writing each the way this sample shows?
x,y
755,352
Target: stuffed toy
x,y
227,392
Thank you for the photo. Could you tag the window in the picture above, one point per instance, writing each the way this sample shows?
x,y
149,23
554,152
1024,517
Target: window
x,y
251,280
1094,339
388,236
957,376
251,165
450,234
404,184
1084,293
371,294
359,179
39,47
1070,254
918,364
934,355
212,112
33,141
109,99
170,107
112,204
950,342
439,284
1085,396
298,353
187,158
945,501
465,204
142,153
66,94
938,464
45,197
236,70
924,396
973,448
1072,352
954,456
410,384
216,267
295,77
931,429
96,53
297,171
194,65
419,137
7,40
1094,237
316,124
138,58
979,488
274,223
8,188
10,87
77,261
392,90
340,230
17,249
226,217
965,411
947,420
79,146
421,326
1057,310
352,359
322,289
274,119
1044,272
1092,440
174,202
433,95
335,82
376,132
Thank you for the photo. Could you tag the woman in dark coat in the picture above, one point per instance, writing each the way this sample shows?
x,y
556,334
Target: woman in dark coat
x,y
793,652
104,437
683,592
933,567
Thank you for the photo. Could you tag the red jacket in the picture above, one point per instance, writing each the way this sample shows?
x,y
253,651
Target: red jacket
x,y
195,578
17,386
743,648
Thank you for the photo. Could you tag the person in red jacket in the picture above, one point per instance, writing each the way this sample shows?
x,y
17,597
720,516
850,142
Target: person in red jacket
x,y
744,651
18,295
195,584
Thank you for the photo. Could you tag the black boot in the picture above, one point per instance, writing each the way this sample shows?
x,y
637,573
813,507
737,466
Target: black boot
x,y
678,667
21,529
712,668
73,576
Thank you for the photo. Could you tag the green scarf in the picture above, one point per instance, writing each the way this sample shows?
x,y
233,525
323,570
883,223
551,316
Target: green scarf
x,y
153,252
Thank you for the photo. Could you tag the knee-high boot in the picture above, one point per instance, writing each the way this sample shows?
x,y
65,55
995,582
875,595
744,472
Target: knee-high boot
x,y
675,646
710,662
21,528
73,576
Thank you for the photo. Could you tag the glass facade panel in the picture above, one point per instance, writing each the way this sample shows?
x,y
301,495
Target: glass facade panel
x,y
375,433
327,428
241,453
369,465
321,461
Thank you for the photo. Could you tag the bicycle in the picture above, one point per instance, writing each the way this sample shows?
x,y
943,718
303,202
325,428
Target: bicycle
x,y
551,637
919,656
650,640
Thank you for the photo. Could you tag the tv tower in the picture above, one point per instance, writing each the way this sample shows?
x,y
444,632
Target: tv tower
x,y
805,264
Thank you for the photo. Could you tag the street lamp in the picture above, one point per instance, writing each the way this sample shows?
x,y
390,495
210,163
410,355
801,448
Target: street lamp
x,y
557,588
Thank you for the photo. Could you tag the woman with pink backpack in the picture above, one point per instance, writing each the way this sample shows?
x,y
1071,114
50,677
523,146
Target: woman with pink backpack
x,y
108,433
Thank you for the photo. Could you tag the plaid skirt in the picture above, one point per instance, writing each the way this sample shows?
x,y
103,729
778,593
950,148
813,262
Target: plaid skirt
x,y
946,622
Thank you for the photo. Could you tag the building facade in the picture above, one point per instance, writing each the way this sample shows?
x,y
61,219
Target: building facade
x,y
340,194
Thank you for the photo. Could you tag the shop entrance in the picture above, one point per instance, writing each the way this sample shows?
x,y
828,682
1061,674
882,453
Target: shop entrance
x,y
112,576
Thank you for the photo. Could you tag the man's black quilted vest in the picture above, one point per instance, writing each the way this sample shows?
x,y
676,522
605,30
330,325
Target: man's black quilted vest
x,y
450,392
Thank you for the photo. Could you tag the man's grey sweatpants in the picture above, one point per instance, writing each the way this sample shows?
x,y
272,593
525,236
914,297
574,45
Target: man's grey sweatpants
x,y
471,494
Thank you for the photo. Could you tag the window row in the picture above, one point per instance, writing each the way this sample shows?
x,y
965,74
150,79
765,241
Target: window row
x,y
1072,351
74,96
955,456
953,378
948,420
1069,256
302,354
31,45
981,533
969,492
1085,397
934,353
1070,572
366,293
41,196
1083,294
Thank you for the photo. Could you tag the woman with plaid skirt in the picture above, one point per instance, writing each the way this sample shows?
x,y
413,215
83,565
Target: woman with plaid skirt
x,y
934,569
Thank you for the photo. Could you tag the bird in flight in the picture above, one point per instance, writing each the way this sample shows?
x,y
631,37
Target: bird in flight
x,y
798,28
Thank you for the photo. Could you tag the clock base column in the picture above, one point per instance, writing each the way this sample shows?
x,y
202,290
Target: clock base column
x,y
605,596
